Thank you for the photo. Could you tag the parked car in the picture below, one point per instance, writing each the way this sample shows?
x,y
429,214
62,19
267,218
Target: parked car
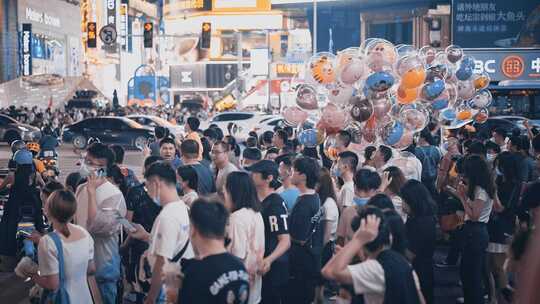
x,y
11,130
109,130
507,123
152,121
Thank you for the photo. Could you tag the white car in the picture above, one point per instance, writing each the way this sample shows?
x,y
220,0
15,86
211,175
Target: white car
x,y
155,121
243,123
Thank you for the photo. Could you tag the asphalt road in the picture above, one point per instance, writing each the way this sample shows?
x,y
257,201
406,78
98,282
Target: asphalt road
x,y
14,291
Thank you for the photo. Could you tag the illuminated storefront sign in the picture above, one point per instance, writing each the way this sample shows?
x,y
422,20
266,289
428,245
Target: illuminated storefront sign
x,y
26,49
508,64
41,17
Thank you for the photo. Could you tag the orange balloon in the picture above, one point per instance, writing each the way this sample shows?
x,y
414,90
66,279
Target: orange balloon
x,y
481,82
413,78
406,96
464,115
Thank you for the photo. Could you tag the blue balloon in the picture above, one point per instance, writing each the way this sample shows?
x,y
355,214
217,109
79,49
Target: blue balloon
x,y
434,89
308,138
448,114
380,81
394,134
440,104
464,73
467,61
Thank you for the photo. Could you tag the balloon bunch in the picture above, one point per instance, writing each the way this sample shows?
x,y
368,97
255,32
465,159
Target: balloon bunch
x,y
385,94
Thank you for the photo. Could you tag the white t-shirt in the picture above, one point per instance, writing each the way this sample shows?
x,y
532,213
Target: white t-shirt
x,y
222,174
481,194
246,231
190,197
368,279
170,232
331,214
77,254
346,195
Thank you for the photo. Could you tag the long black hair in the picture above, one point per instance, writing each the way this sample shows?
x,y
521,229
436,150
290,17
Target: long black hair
x,y
418,198
476,170
509,166
243,192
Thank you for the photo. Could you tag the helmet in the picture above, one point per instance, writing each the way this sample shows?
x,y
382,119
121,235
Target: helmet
x,y
17,145
33,147
23,157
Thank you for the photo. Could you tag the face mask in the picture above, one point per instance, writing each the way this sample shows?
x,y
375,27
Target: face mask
x,y
498,172
359,201
445,146
84,171
156,199
340,300
490,157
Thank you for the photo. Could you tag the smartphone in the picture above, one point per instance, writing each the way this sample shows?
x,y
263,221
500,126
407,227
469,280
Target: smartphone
x,y
101,173
121,220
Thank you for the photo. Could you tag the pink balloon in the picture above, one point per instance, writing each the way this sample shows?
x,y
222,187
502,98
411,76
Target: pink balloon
x,y
381,107
306,97
333,118
294,116
352,71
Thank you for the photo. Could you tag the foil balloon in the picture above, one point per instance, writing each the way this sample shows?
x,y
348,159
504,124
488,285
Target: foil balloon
x,y
442,101
481,81
482,116
351,70
465,89
428,54
369,130
482,99
432,90
467,61
380,81
405,141
329,147
454,53
413,119
322,69
380,52
381,107
405,50
361,108
463,112
306,97
391,133
406,96
413,78
340,94
355,129
294,116
310,137
464,72
333,118
447,116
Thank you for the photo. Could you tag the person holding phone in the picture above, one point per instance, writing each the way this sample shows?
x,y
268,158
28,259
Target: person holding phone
x,y
476,192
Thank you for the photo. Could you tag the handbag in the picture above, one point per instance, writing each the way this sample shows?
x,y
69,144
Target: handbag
x,y
59,296
450,222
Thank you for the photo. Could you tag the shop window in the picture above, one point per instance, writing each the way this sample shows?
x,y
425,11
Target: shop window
x,y
395,32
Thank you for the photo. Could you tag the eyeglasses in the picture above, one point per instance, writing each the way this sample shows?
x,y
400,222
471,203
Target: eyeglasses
x,y
217,152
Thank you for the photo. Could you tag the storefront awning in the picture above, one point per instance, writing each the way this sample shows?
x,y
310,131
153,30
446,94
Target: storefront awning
x,y
39,90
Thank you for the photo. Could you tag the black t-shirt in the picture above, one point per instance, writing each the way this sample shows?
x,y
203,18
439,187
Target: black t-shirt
x,y
144,209
274,213
306,210
219,279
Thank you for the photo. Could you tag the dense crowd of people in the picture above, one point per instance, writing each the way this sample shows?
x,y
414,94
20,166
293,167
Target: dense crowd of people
x,y
272,221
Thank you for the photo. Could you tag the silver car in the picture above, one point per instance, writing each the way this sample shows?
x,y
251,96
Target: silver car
x,y
11,130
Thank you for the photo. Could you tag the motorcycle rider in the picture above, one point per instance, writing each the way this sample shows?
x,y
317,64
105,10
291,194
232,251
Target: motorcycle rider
x,y
48,143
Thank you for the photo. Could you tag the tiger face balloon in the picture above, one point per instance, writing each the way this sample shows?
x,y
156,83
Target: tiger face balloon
x,y
323,71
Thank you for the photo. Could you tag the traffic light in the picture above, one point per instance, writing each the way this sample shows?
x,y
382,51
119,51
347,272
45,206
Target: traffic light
x,y
91,31
148,34
206,35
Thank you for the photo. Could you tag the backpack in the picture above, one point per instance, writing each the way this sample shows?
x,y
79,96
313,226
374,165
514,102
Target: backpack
x,y
59,296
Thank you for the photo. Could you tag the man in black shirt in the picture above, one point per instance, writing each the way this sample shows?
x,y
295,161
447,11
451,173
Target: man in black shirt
x,y
306,233
275,266
215,276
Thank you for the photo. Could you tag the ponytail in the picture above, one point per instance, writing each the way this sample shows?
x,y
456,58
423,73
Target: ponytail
x,y
63,229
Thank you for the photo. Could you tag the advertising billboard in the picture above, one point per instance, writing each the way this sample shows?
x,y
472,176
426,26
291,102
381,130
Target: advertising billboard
x,y
517,64
496,23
